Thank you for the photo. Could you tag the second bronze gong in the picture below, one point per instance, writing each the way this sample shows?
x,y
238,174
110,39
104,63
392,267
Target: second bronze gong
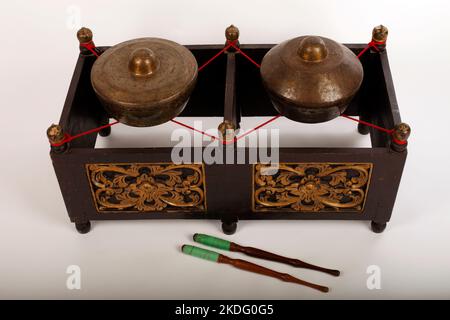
x,y
311,79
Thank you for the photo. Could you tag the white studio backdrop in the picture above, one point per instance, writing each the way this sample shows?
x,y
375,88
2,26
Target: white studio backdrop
x,y
141,259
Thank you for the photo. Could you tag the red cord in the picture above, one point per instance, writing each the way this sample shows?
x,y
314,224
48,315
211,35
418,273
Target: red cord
x,y
216,55
229,44
69,138
257,127
371,44
226,141
90,46
399,141
389,131
245,55
193,129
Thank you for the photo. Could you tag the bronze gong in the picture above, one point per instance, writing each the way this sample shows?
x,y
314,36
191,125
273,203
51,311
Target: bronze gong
x,y
144,82
311,79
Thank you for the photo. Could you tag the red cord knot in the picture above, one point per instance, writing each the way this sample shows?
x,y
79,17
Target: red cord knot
x,y
378,43
372,44
67,138
399,135
401,142
90,46
244,54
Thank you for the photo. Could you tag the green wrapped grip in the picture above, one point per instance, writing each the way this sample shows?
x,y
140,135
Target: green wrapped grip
x,y
212,241
200,253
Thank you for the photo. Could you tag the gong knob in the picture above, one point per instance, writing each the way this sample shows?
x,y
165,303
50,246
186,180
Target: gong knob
x,y
143,62
312,49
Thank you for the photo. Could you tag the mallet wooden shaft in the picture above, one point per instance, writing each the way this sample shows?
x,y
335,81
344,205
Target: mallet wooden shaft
x,y
258,253
248,266
252,267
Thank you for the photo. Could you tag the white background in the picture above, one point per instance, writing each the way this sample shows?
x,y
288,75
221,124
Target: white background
x,y
141,259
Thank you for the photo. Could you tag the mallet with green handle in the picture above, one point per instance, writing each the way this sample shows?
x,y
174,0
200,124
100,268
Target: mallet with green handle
x,y
248,266
257,253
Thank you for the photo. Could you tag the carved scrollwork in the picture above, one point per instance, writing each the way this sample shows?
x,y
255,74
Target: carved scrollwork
x,y
312,187
144,187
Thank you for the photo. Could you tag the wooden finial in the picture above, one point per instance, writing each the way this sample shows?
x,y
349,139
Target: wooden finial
x,y
227,131
400,136
85,37
55,135
232,34
379,36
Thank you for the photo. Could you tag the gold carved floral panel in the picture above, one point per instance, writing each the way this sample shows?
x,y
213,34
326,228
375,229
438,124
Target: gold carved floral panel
x,y
311,187
147,187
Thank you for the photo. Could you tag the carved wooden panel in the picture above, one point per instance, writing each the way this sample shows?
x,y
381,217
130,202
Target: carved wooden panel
x,y
147,187
311,187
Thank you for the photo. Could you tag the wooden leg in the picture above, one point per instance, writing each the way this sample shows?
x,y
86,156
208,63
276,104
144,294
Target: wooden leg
x,y
363,129
378,227
83,227
229,227
107,131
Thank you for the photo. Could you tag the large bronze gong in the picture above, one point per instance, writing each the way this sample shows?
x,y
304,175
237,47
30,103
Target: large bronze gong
x,y
311,79
144,82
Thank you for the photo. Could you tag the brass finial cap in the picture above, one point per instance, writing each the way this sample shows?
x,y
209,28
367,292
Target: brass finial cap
x,y
227,130
143,62
232,33
312,49
55,134
84,35
380,33
402,131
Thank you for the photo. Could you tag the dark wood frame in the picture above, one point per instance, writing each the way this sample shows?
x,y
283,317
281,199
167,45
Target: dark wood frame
x,y
229,186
